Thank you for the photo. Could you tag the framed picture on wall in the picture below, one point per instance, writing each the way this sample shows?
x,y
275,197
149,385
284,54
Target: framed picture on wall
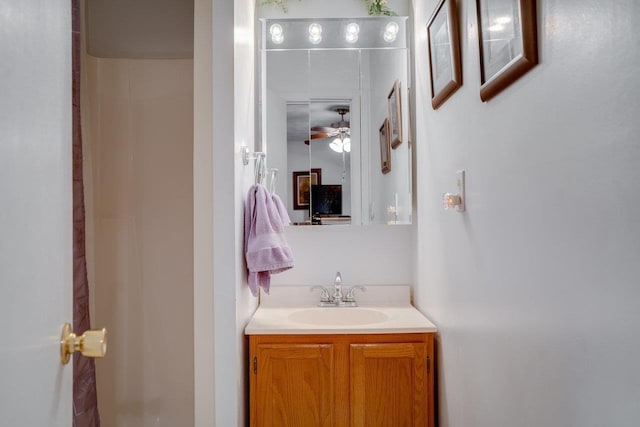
x,y
385,147
508,43
444,52
302,182
395,115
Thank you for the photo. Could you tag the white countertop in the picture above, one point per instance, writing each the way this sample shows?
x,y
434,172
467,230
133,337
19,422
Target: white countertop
x,y
384,310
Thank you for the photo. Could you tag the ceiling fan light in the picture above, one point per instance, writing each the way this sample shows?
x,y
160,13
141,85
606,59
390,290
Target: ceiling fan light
x,y
336,145
346,145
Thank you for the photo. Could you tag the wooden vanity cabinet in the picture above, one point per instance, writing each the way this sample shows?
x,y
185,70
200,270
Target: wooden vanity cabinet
x,y
294,385
341,380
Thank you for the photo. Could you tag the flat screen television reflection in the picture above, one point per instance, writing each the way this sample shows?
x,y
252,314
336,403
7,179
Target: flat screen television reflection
x,y
326,200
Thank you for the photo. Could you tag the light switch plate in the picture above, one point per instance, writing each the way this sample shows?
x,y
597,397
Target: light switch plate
x,y
460,185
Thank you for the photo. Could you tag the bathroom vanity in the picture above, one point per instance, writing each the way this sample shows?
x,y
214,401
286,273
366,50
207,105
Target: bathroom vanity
x,y
370,365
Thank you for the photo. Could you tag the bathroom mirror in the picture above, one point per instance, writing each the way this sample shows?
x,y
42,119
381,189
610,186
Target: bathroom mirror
x,y
327,87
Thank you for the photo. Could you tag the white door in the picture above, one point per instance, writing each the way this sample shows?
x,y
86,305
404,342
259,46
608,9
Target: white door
x,y
35,211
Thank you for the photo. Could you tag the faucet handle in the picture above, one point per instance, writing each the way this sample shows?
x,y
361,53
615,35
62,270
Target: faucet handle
x,y
349,296
324,293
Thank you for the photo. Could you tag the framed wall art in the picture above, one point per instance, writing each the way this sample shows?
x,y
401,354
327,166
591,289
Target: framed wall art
x,y
302,182
385,147
395,115
444,52
508,43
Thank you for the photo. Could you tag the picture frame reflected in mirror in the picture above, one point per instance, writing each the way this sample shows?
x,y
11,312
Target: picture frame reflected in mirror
x,y
302,182
394,101
385,147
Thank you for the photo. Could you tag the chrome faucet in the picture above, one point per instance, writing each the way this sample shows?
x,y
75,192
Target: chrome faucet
x,y
349,298
337,289
337,299
325,298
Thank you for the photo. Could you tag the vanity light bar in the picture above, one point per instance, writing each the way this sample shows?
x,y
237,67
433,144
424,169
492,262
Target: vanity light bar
x,y
335,33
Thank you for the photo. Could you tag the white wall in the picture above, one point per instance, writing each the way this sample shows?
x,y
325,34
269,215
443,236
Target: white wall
x,y
365,255
225,102
139,135
245,83
535,288
203,301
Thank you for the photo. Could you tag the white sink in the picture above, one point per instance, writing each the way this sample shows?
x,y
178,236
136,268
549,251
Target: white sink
x,y
338,316
294,310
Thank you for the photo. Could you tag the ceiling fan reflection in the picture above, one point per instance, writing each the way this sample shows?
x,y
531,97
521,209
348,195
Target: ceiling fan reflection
x,y
340,131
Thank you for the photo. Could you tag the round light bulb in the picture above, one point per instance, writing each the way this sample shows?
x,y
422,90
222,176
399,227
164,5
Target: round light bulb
x,y
315,29
275,29
277,39
389,37
315,33
391,31
351,32
352,28
315,39
392,28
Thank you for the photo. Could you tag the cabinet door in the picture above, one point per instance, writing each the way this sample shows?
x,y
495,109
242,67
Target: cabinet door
x,y
294,385
388,385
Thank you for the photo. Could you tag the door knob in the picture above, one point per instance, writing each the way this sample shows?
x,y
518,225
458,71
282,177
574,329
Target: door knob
x,y
93,343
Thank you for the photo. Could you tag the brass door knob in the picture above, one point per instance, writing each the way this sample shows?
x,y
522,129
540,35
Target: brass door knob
x,y
93,343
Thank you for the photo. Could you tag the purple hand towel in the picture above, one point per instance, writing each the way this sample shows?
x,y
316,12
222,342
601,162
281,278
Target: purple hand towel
x,y
265,248
282,210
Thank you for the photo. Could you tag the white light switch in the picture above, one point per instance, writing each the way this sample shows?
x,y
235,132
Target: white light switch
x,y
456,200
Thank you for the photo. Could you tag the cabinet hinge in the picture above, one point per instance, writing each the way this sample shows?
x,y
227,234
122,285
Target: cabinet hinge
x,y
428,364
255,365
